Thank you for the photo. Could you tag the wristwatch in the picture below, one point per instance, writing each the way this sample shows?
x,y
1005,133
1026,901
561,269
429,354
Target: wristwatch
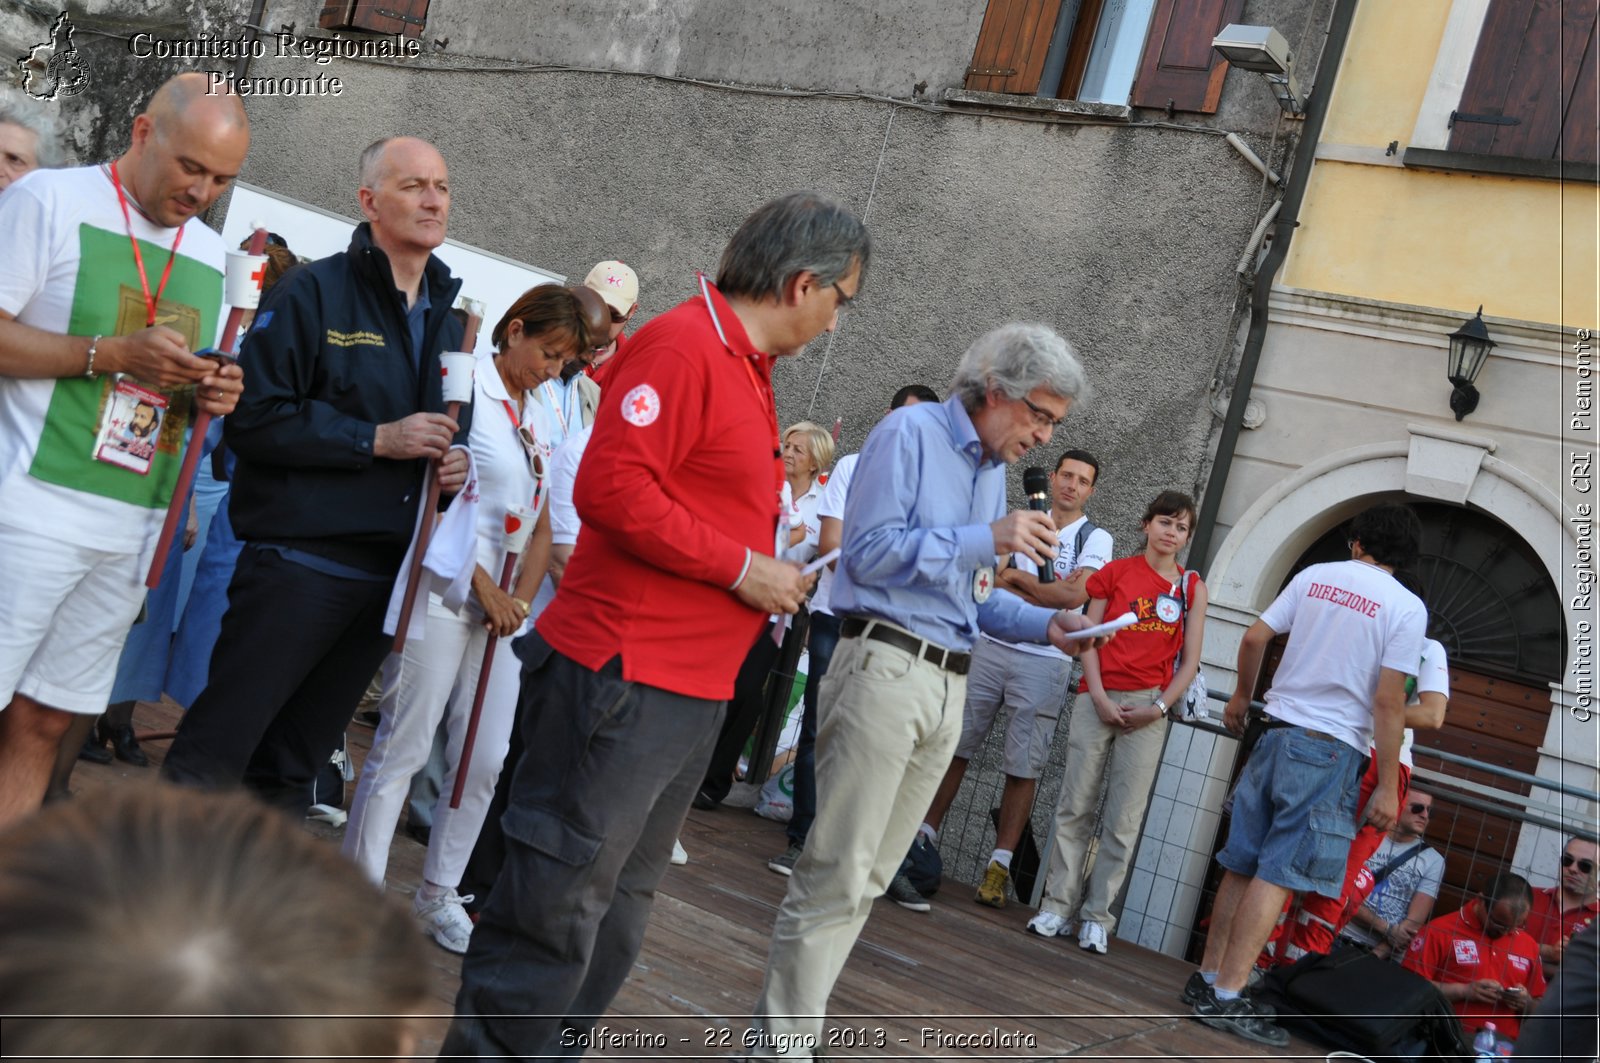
x,y
526,607
1162,708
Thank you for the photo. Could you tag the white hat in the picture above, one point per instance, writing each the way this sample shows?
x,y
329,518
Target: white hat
x,y
616,283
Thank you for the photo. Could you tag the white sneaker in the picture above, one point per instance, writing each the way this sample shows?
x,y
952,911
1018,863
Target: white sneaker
x,y
1049,925
678,855
1092,937
445,920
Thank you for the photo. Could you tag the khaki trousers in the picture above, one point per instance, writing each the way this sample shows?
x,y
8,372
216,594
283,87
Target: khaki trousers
x,y
889,724
1127,764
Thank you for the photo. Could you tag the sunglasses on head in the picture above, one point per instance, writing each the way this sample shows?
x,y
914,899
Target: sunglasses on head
x,y
1586,866
1418,808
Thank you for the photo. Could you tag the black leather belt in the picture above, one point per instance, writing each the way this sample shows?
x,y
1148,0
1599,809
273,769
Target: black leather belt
x,y
934,654
1270,724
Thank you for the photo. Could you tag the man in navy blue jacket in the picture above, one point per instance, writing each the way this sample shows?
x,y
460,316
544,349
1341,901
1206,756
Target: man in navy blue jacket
x,y
342,411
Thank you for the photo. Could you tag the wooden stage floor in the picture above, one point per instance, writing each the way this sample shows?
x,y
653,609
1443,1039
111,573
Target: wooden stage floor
x,y
963,981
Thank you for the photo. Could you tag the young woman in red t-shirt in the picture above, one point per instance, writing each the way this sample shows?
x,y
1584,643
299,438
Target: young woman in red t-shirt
x,y
1119,719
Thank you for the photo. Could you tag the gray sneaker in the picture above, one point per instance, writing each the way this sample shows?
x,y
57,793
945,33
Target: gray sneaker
x,y
784,862
1241,1018
903,893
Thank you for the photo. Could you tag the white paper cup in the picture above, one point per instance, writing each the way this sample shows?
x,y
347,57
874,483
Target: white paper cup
x,y
518,526
456,370
241,279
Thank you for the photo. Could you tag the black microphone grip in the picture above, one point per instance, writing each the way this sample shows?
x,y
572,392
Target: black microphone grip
x,y
1036,485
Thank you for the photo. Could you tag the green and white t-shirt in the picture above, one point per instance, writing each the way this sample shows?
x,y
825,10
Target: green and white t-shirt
x,y
68,267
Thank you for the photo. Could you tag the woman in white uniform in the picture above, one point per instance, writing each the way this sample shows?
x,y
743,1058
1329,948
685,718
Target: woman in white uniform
x,y
545,328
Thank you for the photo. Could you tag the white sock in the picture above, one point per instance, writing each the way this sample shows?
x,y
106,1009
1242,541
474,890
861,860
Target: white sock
x,y
1002,857
1226,994
928,832
429,892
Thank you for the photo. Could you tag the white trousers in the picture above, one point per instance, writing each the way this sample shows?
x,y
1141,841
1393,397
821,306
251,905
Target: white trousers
x,y
437,680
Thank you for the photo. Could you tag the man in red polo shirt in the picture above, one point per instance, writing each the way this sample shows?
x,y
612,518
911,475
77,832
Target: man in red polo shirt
x,y
625,676
1562,910
1481,959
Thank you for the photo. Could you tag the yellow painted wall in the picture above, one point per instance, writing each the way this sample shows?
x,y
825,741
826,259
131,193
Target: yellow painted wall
x,y
1387,63
1525,248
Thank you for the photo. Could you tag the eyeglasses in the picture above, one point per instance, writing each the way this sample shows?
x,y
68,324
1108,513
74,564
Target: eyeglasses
x,y
1041,416
1586,866
1420,809
844,300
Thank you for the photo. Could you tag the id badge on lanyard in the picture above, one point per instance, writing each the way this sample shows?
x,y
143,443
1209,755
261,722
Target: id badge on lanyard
x,y
131,422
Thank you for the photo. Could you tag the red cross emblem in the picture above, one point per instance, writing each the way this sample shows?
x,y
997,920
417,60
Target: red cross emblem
x,y
260,275
983,581
613,280
641,406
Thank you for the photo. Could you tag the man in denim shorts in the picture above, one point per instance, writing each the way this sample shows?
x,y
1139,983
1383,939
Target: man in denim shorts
x,y
1354,635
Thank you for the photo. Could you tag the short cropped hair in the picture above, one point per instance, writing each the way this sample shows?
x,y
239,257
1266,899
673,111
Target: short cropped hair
x,y
1083,456
818,442
1507,886
1171,504
546,307
801,232
372,162
165,904
17,110
1390,532
920,392
1014,359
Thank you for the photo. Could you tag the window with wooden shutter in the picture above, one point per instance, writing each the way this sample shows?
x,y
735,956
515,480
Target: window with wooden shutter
x,y
1092,50
1531,89
1012,44
1180,69
405,17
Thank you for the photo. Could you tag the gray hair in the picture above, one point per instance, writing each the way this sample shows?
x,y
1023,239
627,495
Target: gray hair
x,y
801,232
372,162
1014,359
19,112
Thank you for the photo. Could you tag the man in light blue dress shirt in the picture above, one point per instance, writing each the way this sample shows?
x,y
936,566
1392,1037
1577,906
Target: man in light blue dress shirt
x,y
925,521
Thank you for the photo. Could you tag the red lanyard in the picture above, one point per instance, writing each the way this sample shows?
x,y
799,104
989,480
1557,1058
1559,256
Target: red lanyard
x,y
138,258
525,440
763,393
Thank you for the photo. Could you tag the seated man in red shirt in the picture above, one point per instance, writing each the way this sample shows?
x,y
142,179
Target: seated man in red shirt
x,y
1481,959
1562,910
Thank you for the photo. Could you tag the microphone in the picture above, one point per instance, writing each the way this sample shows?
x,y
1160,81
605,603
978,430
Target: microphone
x,y
1036,485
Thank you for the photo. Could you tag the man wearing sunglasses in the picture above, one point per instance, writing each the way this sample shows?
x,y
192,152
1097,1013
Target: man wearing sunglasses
x,y
1560,911
618,285
1401,901
1481,959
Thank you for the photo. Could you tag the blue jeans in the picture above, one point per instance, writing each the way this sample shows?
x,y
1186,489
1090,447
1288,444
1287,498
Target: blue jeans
x,y
606,777
1294,811
823,638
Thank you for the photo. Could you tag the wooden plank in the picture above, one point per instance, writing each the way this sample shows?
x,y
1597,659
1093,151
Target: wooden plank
x,y
961,969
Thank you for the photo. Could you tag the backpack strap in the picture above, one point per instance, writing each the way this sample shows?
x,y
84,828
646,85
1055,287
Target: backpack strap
x,y
1084,530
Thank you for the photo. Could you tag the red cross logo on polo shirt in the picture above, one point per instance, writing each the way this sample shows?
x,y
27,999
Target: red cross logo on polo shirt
x,y
641,406
983,581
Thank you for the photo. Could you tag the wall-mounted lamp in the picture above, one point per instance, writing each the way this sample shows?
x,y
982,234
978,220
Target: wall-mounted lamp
x,y
1469,349
1263,50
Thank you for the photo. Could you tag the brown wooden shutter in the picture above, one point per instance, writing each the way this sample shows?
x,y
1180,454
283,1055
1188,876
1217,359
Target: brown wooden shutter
x,y
1535,63
406,17
1179,65
1011,46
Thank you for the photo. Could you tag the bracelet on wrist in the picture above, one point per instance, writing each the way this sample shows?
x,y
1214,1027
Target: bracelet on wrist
x,y
88,369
